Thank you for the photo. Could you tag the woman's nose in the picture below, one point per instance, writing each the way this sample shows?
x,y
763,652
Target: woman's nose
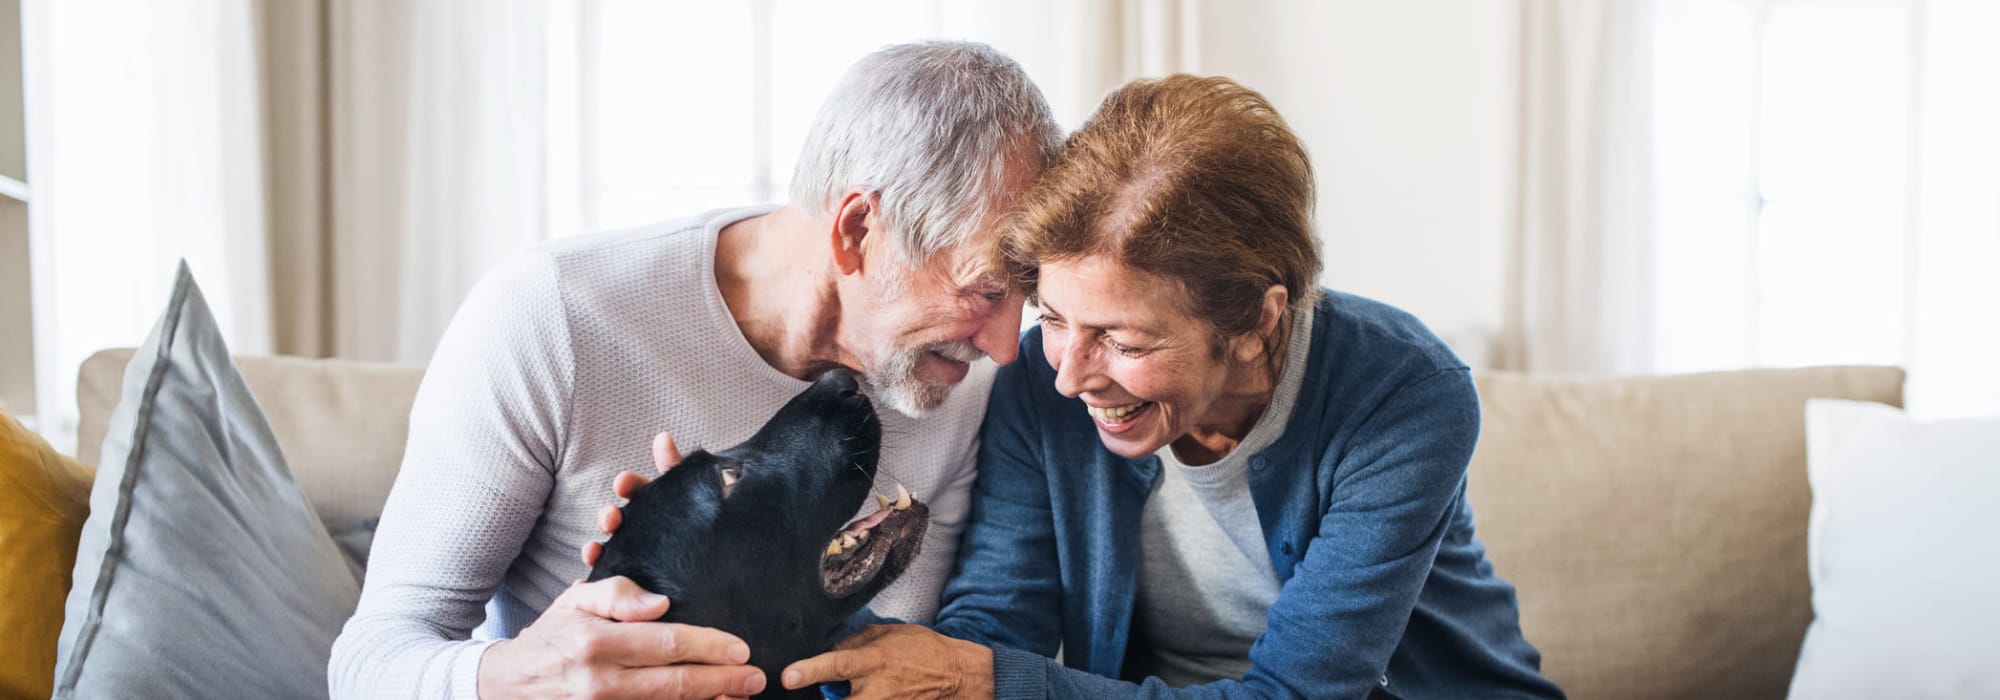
x,y
1076,369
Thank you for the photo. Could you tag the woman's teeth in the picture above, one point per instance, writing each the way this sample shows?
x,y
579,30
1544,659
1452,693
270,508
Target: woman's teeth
x,y
1116,414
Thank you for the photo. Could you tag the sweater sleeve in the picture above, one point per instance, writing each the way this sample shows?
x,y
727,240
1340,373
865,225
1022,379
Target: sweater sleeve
x,y
485,441
1342,614
1007,590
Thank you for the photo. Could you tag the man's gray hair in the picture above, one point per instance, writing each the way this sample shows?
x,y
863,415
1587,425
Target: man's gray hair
x,y
929,128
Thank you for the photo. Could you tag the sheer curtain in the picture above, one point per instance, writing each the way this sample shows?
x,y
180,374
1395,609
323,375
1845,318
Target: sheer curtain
x,y
338,174
1954,304
1583,230
644,138
143,149
1832,178
1718,184
437,145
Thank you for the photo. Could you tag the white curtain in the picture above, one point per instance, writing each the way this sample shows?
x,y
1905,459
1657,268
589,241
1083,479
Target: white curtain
x,y
143,128
1954,327
438,148
1715,184
338,174
1579,282
1080,51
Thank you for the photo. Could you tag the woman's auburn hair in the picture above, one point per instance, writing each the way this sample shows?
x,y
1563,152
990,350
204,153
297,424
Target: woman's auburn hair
x,y
1195,179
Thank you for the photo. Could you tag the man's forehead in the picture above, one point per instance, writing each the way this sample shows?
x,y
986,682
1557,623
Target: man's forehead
x,y
971,261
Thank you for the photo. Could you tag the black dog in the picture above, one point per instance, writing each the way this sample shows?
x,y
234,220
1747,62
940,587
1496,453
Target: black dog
x,y
755,540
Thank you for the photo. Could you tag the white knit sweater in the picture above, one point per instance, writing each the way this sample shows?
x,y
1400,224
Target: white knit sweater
x,y
553,377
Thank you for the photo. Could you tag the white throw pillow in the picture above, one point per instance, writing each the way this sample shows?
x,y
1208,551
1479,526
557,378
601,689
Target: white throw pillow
x,y
1904,555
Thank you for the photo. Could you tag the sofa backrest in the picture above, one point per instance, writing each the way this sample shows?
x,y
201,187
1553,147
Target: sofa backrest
x,y
341,424
1654,526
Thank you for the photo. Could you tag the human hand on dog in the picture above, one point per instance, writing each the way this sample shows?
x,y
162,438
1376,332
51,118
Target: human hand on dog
x,y
666,455
599,640
900,661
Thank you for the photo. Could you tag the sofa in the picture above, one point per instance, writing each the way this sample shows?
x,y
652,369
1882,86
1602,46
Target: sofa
x,y
1655,527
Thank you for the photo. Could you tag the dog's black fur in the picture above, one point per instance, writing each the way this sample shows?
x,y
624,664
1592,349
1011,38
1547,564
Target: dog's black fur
x,y
752,557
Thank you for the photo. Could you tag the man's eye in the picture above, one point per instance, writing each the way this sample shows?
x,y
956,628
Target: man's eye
x,y
993,297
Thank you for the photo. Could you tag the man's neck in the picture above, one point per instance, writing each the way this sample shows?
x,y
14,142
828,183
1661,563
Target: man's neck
x,y
777,277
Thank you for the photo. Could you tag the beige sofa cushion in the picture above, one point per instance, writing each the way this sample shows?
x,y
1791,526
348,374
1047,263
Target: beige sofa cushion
x,y
340,424
1656,527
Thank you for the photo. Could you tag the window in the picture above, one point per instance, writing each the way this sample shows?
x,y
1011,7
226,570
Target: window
x,y
1828,190
1785,185
668,109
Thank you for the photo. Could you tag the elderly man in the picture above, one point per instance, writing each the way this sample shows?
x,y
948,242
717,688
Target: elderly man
x,y
567,360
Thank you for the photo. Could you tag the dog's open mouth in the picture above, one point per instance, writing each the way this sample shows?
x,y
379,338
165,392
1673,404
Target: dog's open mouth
x,y
860,551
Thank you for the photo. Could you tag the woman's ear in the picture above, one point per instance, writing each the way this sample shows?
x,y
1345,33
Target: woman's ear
x,y
851,223
1260,342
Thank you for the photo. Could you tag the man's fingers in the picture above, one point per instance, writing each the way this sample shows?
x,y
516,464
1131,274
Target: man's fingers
x,y
609,518
691,681
826,668
615,598
627,483
666,454
664,643
591,551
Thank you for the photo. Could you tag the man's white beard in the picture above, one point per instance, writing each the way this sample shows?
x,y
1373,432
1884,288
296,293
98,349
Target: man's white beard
x,y
895,382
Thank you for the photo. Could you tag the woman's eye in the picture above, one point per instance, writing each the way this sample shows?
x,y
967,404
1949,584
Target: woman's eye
x,y
1124,349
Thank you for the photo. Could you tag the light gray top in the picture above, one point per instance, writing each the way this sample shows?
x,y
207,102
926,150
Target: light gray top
x,y
552,378
1205,577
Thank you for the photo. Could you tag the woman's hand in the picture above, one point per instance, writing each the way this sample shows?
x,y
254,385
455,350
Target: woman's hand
x,y
666,455
900,661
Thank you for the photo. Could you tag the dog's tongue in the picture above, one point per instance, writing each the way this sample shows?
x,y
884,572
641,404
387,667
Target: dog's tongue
x,y
872,520
902,501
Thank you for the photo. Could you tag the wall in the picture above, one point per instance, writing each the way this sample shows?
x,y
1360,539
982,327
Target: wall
x,y
1406,110
17,347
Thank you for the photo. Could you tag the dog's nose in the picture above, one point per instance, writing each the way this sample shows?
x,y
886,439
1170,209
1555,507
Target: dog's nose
x,y
840,381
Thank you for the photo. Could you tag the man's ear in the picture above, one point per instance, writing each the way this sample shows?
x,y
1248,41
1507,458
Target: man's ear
x,y
852,221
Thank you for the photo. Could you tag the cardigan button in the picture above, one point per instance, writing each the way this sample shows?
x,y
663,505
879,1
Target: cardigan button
x,y
1257,463
1286,548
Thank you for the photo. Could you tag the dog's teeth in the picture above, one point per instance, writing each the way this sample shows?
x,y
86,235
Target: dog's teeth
x,y
884,500
902,498
847,541
861,536
833,548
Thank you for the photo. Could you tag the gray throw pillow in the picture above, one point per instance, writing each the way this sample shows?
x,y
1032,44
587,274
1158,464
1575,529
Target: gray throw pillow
x,y
202,572
355,537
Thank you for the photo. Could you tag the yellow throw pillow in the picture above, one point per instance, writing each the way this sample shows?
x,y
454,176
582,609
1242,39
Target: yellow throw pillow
x,y
44,498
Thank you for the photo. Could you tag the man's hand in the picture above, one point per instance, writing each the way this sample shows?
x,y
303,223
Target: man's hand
x,y
600,640
666,455
900,661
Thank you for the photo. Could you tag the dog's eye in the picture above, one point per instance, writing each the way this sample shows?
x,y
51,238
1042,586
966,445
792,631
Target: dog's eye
x,y
730,475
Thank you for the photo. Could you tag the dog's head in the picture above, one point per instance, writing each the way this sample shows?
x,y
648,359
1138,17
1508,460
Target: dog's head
x,y
756,539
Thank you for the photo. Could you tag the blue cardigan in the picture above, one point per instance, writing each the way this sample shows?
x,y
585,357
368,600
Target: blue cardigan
x,y
1364,513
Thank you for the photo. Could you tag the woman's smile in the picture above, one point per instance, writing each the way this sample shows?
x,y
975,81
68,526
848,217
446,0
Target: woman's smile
x,y
1118,418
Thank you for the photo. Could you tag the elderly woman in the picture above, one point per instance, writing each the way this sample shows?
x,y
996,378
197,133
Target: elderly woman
x,y
1206,476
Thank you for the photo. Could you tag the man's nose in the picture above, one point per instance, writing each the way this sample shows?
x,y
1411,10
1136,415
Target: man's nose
x,y
999,335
